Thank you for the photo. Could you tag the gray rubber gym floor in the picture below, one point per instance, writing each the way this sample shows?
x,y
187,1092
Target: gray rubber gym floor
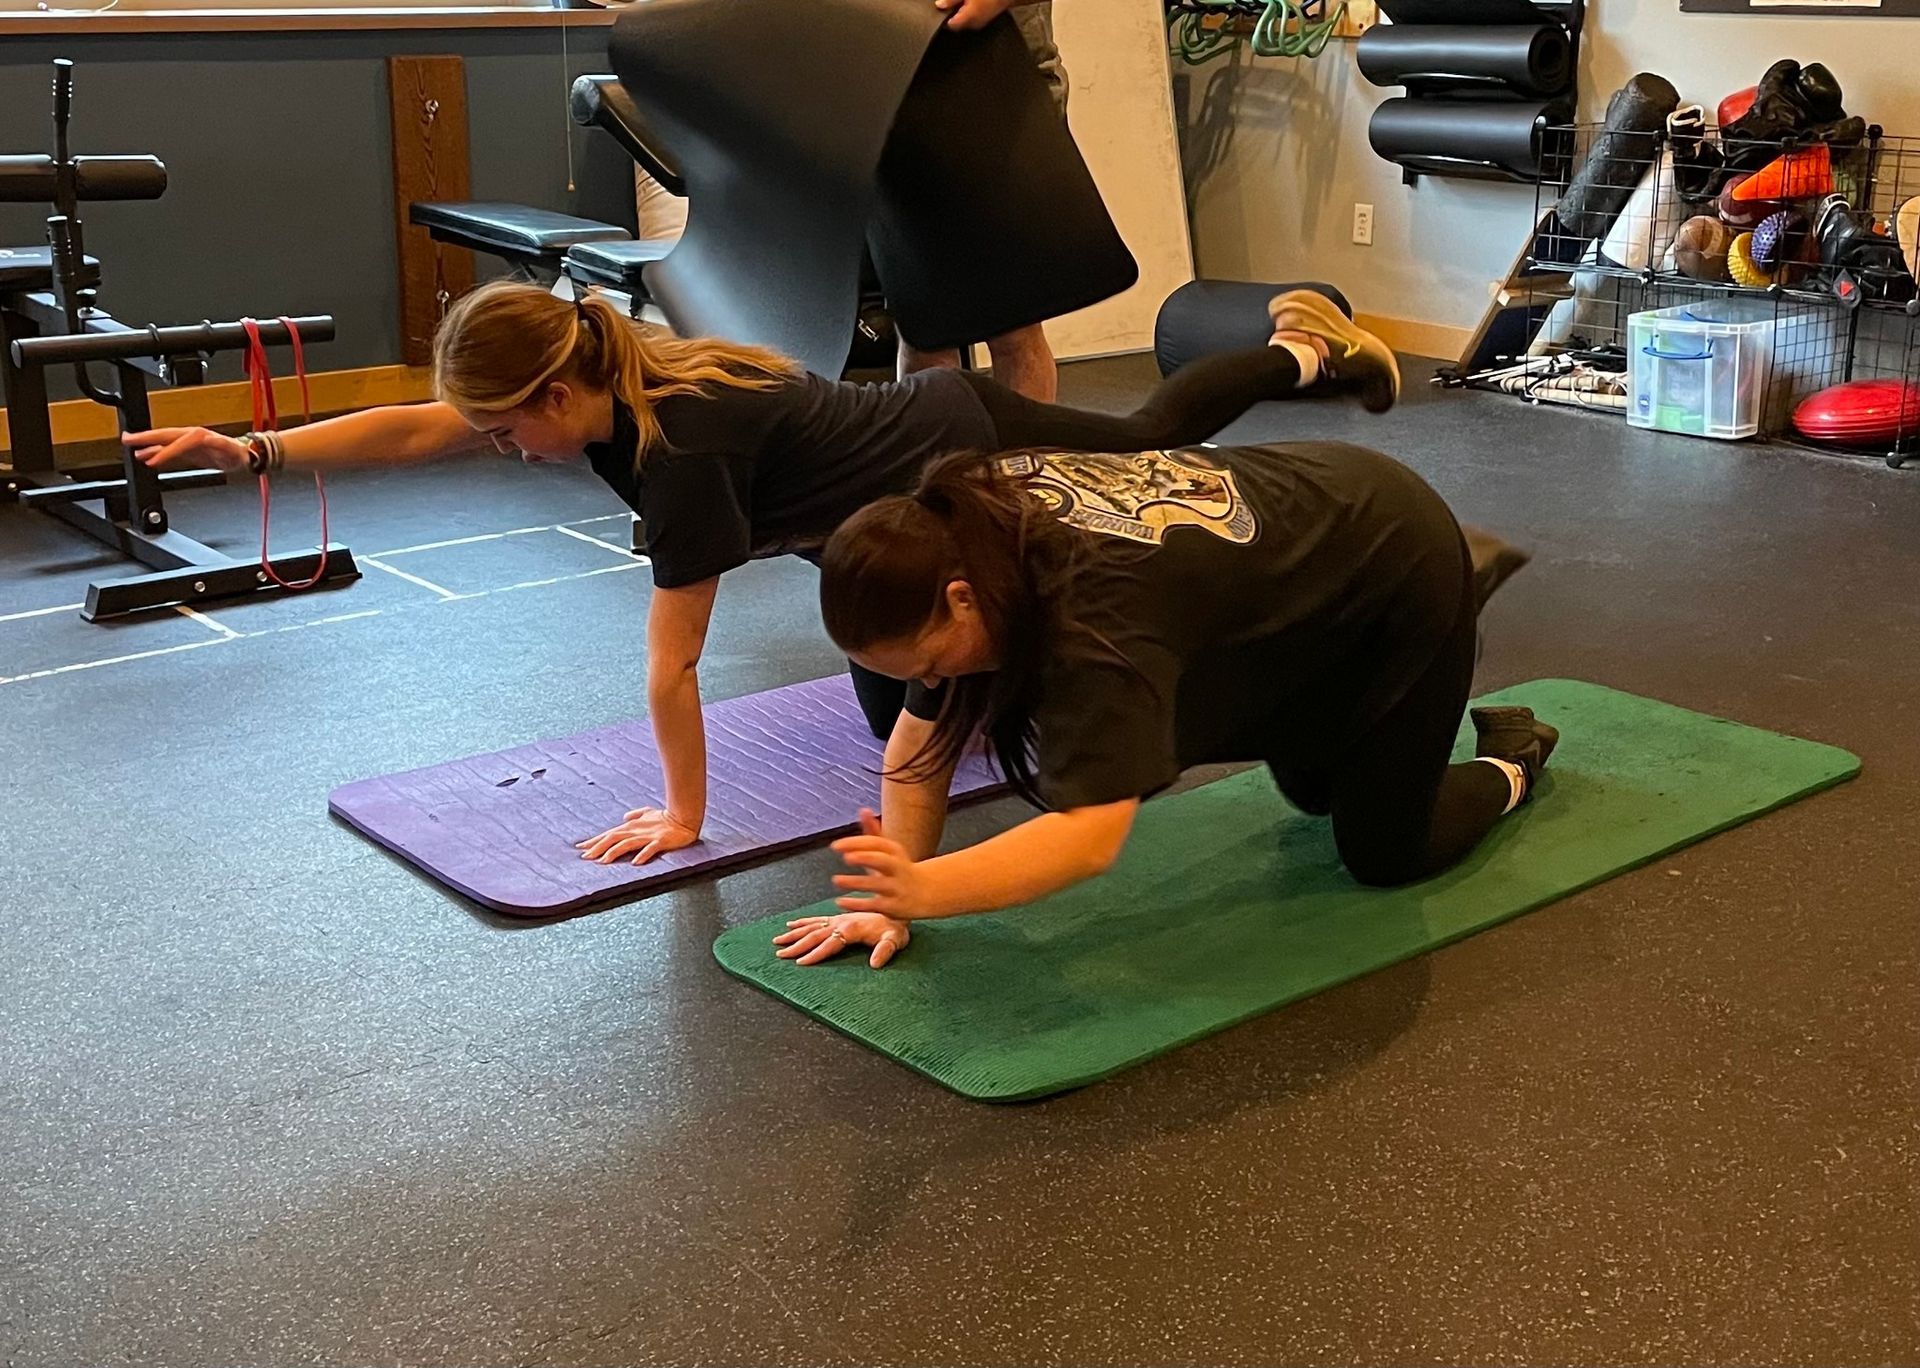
x,y
270,1098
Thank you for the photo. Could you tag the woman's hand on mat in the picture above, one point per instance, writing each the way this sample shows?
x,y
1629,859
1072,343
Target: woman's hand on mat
x,y
197,446
971,14
647,831
813,939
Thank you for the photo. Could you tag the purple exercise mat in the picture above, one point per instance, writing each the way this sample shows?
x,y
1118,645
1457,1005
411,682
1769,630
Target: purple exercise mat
x,y
784,769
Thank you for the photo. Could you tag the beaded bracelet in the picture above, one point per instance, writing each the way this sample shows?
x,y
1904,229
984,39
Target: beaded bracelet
x,y
266,453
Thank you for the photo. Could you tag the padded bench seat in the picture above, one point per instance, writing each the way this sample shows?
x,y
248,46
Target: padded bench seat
x,y
31,268
517,232
616,265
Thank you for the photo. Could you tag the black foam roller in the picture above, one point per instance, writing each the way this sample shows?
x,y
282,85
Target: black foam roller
x,y
1438,58
1622,151
1463,138
1203,317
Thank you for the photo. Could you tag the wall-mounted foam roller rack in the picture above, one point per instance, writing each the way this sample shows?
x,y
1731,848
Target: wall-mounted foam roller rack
x,y
1490,86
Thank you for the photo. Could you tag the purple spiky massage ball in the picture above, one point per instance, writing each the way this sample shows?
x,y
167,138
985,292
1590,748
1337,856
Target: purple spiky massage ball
x,y
1778,239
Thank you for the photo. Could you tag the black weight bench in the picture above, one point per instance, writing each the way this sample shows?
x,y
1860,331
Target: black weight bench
x,y
615,265
534,241
541,245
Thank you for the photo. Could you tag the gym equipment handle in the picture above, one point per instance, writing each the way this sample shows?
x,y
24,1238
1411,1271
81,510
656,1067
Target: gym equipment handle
x,y
35,179
158,342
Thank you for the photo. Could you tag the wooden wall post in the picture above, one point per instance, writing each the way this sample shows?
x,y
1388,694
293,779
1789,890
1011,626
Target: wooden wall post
x,y
428,98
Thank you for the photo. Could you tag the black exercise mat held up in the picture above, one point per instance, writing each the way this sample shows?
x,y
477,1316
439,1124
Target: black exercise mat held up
x,y
777,148
988,218
779,115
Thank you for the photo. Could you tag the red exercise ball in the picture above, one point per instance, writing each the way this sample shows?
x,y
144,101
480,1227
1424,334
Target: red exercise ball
x,y
1861,413
1735,105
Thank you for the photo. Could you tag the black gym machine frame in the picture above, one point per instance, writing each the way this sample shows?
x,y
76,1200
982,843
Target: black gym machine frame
x,y
49,317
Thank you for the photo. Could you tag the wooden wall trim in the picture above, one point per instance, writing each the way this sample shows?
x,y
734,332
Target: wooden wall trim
x,y
428,109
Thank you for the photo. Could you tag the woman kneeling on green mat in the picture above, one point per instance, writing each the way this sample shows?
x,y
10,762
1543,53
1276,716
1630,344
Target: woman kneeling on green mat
x,y
731,453
1108,621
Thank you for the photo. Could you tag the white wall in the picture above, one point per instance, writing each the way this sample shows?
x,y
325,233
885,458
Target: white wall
x,y
1115,53
1278,202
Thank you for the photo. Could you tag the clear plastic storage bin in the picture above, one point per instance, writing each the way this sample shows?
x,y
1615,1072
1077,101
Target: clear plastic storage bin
x,y
1702,368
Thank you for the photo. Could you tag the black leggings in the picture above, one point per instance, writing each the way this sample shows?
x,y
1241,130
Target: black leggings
x,y
1189,406
1401,811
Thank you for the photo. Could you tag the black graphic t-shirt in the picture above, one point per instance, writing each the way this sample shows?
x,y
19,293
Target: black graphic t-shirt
x,y
1233,603
749,473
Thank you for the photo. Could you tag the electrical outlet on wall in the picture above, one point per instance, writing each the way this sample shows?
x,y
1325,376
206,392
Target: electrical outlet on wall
x,y
1363,224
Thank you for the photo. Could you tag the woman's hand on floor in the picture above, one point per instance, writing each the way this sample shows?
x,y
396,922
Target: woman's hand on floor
x,y
813,939
647,831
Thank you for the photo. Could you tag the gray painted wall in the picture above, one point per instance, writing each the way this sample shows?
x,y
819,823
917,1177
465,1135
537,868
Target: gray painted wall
x,y
1276,152
281,166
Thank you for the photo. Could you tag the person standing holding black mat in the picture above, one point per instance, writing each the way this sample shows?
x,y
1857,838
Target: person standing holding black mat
x,y
1022,357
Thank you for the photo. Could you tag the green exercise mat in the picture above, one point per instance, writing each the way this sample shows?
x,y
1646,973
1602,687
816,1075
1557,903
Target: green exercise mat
x,y
1227,903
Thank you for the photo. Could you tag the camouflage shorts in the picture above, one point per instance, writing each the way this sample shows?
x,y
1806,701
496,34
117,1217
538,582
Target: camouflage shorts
x,y
1036,26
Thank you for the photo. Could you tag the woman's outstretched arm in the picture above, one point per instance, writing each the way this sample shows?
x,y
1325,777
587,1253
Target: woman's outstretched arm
x,y
396,434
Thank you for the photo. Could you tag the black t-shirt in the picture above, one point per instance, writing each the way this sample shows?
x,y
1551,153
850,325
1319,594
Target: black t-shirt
x,y
1225,595
747,473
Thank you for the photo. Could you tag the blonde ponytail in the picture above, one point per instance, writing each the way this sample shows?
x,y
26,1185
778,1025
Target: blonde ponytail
x,y
499,345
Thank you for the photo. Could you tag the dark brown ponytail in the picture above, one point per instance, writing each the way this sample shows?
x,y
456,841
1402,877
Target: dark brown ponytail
x,y
884,576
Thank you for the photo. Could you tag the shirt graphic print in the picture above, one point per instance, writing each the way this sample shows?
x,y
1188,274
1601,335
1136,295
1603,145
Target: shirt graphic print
x,y
1137,495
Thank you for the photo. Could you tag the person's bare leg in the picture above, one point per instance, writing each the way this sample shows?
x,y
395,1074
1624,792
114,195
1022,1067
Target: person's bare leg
x,y
913,359
1023,362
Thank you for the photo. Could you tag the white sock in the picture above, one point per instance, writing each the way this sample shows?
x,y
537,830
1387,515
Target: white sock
x,y
1516,780
1308,358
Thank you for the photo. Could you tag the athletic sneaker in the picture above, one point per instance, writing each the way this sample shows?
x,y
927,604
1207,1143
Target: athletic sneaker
x,y
1358,356
1515,734
1494,562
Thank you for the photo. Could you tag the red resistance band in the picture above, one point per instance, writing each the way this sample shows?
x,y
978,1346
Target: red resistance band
x,y
266,418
